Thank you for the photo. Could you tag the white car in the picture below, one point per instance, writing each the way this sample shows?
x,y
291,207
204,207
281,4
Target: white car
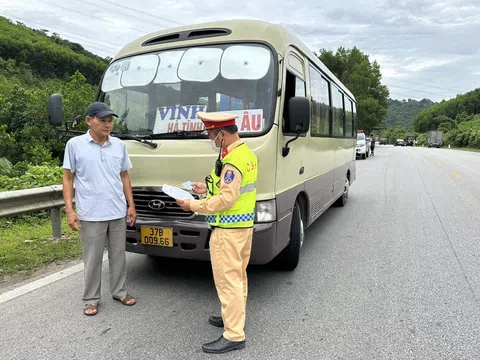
x,y
363,146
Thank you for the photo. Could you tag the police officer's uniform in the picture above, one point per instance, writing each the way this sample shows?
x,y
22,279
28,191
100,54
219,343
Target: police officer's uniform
x,y
230,210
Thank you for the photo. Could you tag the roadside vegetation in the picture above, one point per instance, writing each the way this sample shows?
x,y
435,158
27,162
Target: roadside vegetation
x,y
458,118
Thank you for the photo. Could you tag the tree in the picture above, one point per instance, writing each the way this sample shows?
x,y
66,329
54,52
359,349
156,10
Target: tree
x,y
461,107
363,78
47,56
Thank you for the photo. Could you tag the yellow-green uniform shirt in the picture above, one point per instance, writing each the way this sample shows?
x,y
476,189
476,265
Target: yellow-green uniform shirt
x,y
228,193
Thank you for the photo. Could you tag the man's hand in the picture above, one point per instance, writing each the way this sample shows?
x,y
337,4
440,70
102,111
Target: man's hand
x,y
199,188
184,204
131,215
73,220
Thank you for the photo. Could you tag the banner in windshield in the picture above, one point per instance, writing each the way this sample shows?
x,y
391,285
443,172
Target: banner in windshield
x,y
183,117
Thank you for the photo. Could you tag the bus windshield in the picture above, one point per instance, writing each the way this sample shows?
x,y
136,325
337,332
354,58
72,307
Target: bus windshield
x,y
160,92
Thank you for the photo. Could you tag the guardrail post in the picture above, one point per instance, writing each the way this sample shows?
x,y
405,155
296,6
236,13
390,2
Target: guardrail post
x,y
56,223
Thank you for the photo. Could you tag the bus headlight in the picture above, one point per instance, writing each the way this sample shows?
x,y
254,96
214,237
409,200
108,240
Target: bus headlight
x,y
265,211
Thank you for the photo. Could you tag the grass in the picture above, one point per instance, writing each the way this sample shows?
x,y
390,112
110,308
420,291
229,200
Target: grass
x,y
27,245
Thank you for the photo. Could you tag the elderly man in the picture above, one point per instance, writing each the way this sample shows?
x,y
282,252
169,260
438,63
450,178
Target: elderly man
x,y
98,165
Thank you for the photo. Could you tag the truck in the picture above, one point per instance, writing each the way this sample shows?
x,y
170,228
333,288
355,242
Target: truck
x,y
435,138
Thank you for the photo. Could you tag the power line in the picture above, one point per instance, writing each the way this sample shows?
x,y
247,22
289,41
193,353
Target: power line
x,y
84,14
422,84
416,90
143,12
82,36
117,8
407,97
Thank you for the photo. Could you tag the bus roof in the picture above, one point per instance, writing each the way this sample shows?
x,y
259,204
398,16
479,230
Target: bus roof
x,y
225,31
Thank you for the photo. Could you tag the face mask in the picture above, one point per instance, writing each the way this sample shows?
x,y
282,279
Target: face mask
x,y
212,144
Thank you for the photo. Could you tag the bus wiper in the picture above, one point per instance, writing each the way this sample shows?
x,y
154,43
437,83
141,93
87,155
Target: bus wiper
x,y
178,133
134,137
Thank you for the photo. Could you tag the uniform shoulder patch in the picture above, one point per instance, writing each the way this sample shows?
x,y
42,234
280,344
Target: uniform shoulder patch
x,y
229,176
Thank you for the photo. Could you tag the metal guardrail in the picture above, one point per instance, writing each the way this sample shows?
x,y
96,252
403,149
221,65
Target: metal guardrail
x,y
30,200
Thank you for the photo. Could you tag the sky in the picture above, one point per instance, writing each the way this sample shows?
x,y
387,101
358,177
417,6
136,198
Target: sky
x,y
426,49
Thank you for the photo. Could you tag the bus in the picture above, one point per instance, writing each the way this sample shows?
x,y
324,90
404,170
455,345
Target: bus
x,y
297,117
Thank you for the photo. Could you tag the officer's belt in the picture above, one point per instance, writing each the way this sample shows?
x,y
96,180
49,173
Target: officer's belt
x,y
247,188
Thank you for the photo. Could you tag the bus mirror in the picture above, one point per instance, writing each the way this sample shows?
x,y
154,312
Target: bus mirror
x,y
298,121
298,115
55,110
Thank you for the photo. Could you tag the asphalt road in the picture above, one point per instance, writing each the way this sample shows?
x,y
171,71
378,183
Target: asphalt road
x,y
393,275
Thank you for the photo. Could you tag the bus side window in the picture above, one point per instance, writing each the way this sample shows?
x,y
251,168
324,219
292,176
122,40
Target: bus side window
x,y
294,86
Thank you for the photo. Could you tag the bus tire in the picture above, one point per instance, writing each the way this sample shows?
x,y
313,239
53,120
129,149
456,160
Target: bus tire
x,y
288,258
342,200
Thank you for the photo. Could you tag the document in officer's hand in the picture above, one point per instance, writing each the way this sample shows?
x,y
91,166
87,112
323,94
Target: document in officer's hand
x,y
188,185
177,193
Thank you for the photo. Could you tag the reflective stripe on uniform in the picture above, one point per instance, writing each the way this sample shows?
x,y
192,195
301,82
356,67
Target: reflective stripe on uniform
x,y
210,218
228,219
236,218
248,188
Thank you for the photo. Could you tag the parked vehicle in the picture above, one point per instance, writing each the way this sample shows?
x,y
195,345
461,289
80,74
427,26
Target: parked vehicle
x,y
399,142
383,141
435,138
363,145
410,140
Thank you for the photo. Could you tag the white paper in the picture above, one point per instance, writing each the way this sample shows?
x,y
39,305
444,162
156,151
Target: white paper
x,y
177,193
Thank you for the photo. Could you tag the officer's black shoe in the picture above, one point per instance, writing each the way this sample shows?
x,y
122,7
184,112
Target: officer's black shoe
x,y
222,345
216,321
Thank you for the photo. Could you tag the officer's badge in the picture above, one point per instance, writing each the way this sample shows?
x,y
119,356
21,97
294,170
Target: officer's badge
x,y
229,176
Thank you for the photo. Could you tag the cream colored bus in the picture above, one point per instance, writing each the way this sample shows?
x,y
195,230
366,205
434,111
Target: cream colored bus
x,y
294,114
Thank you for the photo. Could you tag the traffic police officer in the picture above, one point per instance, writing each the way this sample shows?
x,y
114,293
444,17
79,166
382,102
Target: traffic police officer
x,y
230,210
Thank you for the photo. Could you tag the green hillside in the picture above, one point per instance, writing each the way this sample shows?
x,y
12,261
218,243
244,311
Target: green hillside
x,y
34,65
402,112
458,118
33,51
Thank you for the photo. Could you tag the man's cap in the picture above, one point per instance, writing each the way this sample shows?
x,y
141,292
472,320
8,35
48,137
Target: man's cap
x,y
99,110
216,120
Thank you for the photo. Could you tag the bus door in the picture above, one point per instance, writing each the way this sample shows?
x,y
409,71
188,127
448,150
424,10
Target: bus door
x,y
290,172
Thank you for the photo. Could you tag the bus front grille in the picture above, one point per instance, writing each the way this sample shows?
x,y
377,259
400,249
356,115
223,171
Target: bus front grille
x,y
153,203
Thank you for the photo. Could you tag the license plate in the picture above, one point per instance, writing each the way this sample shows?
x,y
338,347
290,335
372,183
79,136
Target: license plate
x,y
156,236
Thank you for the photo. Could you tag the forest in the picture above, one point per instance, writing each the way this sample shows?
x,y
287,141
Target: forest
x,y
402,112
458,118
34,65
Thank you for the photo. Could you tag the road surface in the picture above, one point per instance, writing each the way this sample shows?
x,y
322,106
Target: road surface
x,y
393,275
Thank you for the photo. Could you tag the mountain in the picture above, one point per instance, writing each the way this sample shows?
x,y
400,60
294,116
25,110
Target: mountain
x,y
34,65
454,110
402,112
29,54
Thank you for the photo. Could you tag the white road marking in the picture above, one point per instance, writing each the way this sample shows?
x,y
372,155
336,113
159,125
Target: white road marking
x,y
37,284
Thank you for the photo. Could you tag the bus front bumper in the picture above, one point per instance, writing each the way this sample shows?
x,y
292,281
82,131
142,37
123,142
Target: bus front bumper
x,y
191,240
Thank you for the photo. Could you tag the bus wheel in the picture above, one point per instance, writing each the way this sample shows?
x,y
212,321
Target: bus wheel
x,y
342,200
288,258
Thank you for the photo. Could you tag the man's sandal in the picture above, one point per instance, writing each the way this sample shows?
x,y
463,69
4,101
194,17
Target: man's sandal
x,y
90,307
126,300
